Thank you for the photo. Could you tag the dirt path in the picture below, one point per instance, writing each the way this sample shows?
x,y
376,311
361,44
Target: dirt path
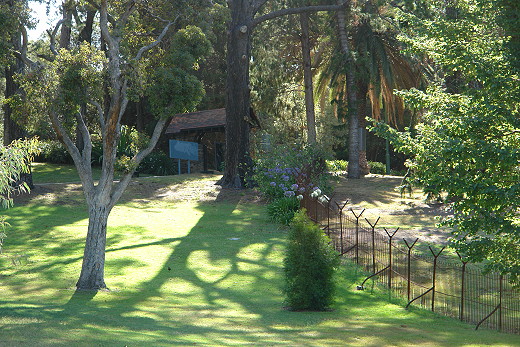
x,y
379,197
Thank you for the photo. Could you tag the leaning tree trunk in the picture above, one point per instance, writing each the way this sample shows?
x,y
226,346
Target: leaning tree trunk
x,y
307,78
353,148
92,275
238,105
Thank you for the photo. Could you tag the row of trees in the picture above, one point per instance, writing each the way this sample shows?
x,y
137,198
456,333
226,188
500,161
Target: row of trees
x,y
350,57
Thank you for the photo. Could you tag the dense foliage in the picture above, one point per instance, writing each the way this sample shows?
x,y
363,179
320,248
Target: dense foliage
x,y
466,151
309,266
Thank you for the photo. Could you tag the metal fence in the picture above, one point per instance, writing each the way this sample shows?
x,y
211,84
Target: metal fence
x,y
429,278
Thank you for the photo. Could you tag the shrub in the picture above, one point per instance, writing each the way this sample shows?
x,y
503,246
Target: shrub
x,y
286,171
337,165
52,151
159,164
309,266
377,168
282,210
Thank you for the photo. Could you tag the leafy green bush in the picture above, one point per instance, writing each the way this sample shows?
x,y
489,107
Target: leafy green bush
x,y
309,266
159,164
377,168
282,210
337,165
52,151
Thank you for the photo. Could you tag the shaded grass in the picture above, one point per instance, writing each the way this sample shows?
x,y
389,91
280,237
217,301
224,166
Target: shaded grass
x,y
204,273
58,173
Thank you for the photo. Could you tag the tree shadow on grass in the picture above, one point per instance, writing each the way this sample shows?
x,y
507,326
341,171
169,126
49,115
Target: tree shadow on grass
x,y
219,285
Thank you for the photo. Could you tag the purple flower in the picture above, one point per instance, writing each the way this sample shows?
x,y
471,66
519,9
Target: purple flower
x,y
301,190
289,193
285,178
273,184
294,187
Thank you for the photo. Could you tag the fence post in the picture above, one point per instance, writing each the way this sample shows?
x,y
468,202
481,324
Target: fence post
x,y
409,270
328,217
357,232
463,287
435,256
390,236
340,208
373,243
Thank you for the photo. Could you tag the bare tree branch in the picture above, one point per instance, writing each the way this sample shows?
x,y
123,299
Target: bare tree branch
x,y
257,5
130,7
297,10
110,19
136,160
156,42
52,36
24,58
87,149
101,115
103,23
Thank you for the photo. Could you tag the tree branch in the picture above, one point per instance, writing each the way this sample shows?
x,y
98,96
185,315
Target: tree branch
x,y
101,116
84,169
297,10
52,36
157,41
103,23
92,3
87,150
257,5
125,180
130,7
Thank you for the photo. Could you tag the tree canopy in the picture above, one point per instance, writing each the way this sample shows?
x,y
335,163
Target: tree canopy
x,y
466,150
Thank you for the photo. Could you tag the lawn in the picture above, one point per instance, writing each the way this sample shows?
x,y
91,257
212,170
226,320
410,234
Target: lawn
x,y
186,265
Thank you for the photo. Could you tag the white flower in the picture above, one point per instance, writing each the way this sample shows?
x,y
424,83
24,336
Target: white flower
x,y
299,197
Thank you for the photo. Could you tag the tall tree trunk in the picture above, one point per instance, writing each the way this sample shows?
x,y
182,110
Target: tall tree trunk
x,y
92,275
66,27
238,105
362,89
307,78
12,131
353,162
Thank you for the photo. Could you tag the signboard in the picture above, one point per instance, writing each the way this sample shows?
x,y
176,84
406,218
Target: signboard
x,y
184,150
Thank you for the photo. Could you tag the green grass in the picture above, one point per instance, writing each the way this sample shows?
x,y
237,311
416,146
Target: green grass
x,y
54,173
187,273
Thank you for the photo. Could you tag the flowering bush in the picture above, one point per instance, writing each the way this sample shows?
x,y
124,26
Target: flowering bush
x,y
289,173
286,172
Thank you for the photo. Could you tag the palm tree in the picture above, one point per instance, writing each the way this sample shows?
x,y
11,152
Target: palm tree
x,y
380,68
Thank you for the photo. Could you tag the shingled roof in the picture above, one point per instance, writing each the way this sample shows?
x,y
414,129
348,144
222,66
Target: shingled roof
x,y
200,120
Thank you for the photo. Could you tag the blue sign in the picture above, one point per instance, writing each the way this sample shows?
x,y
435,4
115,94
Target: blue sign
x,y
184,150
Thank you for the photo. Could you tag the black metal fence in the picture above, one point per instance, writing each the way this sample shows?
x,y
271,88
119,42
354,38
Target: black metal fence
x,y
429,278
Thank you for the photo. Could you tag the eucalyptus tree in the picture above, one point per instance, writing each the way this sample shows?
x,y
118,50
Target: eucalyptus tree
x,y
245,16
102,78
